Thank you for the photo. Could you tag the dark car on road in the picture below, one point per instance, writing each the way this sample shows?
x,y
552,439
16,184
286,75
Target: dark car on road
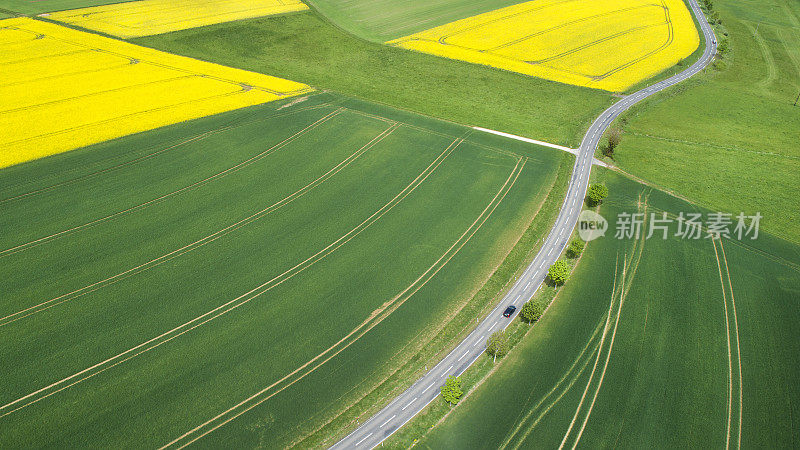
x,y
509,311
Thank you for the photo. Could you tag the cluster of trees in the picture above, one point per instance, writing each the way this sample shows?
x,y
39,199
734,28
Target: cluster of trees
x,y
596,193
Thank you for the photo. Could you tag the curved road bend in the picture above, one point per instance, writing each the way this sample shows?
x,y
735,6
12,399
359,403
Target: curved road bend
x,y
426,389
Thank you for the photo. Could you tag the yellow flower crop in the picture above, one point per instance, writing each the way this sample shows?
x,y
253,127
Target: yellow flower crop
x,y
603,44
146,17
62,89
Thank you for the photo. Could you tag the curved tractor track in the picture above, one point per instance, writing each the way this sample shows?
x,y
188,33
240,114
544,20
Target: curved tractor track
x,y
403,408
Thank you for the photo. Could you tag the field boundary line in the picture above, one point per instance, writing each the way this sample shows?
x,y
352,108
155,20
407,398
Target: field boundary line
x,y
225,172
189,247
375,318
138,159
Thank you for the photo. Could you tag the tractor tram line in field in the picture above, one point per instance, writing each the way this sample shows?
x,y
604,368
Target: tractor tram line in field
x,y
226,307
629,269
59,386
734,419
375,319
196,244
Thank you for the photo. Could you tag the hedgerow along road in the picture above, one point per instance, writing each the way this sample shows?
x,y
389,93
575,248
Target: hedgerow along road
x,y
404,407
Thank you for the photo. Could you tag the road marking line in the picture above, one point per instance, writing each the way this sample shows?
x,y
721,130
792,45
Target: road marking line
x,y
412,401
426,390
492,328
390,419
529,283
462,356
362,440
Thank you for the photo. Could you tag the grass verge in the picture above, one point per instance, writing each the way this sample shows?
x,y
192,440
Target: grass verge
x,y
306,48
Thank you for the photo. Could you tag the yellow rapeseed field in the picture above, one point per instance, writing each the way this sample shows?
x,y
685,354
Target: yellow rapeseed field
x,y
603,44
146,17
62,89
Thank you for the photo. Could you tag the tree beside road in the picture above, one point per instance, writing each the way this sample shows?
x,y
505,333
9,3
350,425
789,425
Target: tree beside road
x,y
498,344
596,193
558,272
451,390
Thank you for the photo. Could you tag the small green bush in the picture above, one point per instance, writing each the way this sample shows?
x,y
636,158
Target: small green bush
x,y
596,193
575,248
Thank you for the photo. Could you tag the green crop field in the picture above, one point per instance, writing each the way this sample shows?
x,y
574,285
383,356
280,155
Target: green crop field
x,y
652,343
246,277
729,139
38,7
304,47
384,20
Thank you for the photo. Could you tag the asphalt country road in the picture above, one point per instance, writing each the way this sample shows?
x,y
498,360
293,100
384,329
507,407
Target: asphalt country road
x,y
403,408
